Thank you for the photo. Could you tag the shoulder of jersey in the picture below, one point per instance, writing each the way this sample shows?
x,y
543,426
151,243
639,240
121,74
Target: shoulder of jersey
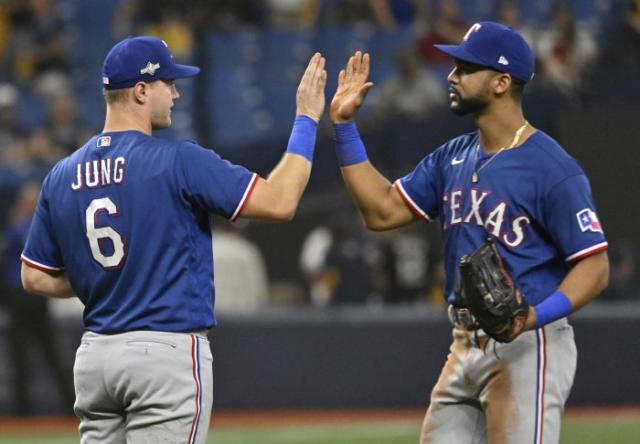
x,y
552,157
454,147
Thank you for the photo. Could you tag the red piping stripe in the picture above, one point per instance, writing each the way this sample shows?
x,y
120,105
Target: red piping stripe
x,y
587,253
245,198
409,203
37,266
194,365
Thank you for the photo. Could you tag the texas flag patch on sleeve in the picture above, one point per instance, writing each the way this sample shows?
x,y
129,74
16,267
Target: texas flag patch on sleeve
x,y
588,221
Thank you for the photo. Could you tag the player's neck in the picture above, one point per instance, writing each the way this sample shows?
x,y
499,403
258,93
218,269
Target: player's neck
x,y
122,119
502,130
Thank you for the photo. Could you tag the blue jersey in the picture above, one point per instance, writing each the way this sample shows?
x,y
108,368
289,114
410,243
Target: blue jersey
x,y
535,200
127,217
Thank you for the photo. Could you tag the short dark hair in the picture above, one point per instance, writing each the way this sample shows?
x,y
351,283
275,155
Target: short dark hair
x,y
517,85
517,88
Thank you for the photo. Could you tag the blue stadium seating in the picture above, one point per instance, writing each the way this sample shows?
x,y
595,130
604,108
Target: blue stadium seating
x,y
253,73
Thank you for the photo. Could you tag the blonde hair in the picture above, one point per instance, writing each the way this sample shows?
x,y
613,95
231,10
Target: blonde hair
x,y
112,96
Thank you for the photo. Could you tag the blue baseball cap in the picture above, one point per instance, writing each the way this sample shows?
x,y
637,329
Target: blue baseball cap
x,y
497,47
141,59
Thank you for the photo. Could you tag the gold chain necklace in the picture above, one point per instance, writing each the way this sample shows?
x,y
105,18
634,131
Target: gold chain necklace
x,y
516,139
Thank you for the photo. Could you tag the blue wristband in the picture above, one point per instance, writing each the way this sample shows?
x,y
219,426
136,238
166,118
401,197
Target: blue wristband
x,y
349,147
303,137
553,308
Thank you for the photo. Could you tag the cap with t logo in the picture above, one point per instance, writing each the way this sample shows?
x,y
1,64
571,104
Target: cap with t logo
x,y
495,46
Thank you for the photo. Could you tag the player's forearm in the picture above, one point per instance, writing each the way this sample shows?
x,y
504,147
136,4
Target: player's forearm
x,y
380,205
586,280
45,284
370,191
289,178
277,197
286,184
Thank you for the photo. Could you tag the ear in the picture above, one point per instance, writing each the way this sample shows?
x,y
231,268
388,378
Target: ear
x,y
501,83
140,92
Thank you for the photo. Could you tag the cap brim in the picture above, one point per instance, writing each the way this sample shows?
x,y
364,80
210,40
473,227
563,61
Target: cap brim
x,y
456,51
182,71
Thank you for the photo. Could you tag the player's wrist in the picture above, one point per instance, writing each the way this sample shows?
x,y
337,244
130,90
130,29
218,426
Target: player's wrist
x,y
303,137
308,115
531,320
350,149
555,307
339,121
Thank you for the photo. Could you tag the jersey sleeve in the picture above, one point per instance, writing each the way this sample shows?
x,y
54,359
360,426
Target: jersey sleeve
x,y
213,183
420,188
41,250
571,219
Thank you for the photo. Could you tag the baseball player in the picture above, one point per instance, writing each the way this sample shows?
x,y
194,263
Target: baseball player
x,y
514,184
124,223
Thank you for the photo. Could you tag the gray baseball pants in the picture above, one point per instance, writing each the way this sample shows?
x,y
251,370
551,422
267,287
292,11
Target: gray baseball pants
x,y
498,393
143,387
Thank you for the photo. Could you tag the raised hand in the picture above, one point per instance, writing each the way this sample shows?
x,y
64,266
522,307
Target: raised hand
x,y
352,89
310,98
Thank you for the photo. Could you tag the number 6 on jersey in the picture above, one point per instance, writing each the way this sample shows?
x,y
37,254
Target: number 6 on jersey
x,y
95,234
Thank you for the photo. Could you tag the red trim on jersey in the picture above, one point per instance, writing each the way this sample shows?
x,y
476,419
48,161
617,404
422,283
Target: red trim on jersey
x,y
194,366
38,266
415,209
245,198
598,248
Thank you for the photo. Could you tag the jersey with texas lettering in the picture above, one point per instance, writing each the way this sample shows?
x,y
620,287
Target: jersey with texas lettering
x,y
127,217
535,200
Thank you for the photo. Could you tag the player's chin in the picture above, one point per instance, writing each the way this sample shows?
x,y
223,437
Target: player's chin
x,y
462,107
456,109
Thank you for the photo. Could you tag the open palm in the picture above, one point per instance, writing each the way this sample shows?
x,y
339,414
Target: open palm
x,y
352,89
310,95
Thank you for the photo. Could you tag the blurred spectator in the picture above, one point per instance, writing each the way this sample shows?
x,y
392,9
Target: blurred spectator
x,y
312,261
5,36
40,43
339,262
413,93
623,284
240,272
406,264
348,266
175,32
509,14
391,14
124,18
63,125
33,157
622,50
165,19
293,13
448,27
226,15
566,50
10,126
340,13
435,292
30,323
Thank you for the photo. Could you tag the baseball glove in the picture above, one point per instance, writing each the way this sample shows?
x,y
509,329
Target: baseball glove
x,y
489,293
